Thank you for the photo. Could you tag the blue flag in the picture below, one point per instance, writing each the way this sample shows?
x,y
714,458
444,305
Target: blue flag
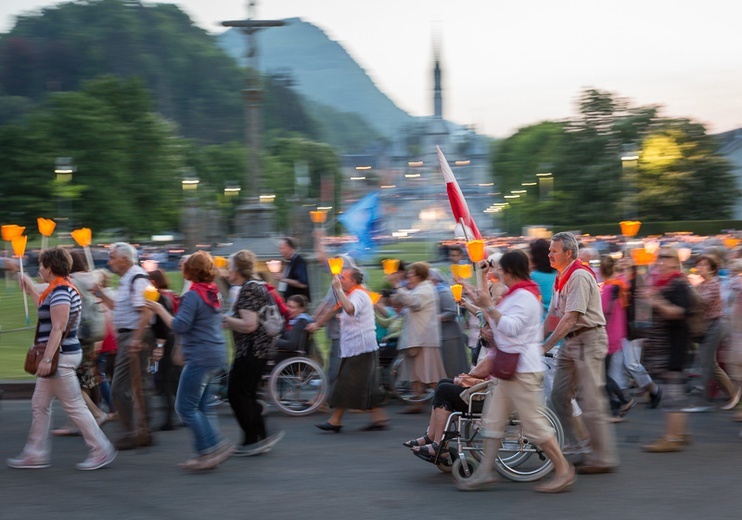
x,y
363,220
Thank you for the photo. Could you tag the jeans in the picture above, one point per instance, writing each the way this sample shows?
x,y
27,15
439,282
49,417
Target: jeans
x,y
65,386
627,360
192,405
105,387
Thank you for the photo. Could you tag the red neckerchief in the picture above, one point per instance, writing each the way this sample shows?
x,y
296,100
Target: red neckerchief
x,y
528,285
661,282
208,292
58,281
623,290
561,280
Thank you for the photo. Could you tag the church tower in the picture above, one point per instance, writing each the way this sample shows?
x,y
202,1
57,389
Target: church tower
x,y
437,88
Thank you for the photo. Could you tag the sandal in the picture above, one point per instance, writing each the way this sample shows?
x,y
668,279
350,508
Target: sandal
x,y
430,453
416,442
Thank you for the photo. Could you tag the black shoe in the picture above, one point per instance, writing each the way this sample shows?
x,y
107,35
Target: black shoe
x,y
375,426
167,427
655,398
327,427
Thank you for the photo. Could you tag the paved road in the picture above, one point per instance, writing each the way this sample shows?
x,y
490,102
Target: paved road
x,y
363,475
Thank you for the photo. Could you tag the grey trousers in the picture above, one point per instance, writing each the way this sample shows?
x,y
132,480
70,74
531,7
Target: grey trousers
x,y
121,388
580,374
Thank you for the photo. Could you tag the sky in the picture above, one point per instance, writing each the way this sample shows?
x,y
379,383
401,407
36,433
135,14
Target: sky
x,y
512,63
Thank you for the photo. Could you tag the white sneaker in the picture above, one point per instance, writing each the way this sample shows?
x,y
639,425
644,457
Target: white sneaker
x,y
21,462
93,463
260,447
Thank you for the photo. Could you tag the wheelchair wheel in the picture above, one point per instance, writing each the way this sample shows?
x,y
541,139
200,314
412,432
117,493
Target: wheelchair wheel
x,y
297,386
521,460
464,468
403,390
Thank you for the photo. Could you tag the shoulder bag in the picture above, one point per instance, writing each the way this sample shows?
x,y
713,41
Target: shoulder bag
x,y
504,364
35,354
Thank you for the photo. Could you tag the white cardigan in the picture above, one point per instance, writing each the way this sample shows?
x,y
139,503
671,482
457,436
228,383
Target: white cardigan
x,y
520,329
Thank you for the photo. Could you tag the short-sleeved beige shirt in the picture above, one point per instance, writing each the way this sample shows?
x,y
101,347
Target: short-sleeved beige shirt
x,y
580,294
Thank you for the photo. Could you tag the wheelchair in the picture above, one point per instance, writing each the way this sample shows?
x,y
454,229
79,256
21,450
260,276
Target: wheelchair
x,y
390,361
519,459
293,383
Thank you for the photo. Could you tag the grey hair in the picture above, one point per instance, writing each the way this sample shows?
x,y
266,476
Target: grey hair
x,y
569,242
124,250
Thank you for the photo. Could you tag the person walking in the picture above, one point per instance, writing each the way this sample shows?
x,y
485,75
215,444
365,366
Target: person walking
x,y
59,316
356,386
516,325
294,279
707,267
580,371
198,326
135,340
252,350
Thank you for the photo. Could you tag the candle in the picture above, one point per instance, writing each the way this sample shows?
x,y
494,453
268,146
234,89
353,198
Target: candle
x,y
390,265
457,289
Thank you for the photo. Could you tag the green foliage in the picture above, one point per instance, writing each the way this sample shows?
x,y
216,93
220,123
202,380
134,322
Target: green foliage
x,y
128,161
679,174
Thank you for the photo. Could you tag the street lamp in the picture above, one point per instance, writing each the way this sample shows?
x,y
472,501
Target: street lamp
x,y
629,162
64,167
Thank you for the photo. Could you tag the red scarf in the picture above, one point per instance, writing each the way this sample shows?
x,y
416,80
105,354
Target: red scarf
x,y
561,280
208,292
58,281
528,285
660,282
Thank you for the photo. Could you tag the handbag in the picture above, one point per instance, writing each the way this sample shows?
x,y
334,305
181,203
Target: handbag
x,y
35,354
505,364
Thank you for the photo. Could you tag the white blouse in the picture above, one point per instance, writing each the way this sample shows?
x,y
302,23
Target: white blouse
x,y
520,329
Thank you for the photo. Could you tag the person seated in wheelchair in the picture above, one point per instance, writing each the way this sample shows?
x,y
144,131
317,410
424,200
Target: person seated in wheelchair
x,y
447,399
295,340
388,318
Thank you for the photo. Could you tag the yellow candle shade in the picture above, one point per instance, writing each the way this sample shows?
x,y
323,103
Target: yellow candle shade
x,y
151,293
457,289
273,266
336,265
642,257
10,231
465,271
46,226
630,228
82,236
390,265
731,242
318,217
455,270
220,262
19,245
475,248
375,297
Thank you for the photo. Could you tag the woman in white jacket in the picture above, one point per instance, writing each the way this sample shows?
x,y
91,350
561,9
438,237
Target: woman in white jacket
x,y
420,339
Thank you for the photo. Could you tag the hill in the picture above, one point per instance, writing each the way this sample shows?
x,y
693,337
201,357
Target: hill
x,y
323,70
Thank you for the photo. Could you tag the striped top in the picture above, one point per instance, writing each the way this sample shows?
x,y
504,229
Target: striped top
x,y
61,295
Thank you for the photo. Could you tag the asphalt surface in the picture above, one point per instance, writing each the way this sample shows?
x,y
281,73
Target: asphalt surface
x,y
363,475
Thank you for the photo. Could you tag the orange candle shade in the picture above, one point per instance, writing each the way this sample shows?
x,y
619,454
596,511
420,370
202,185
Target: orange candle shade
x,y
465,271
220,262
375,297
457,289
731,242
19,245
318,217
151,293
455,270
82,236
336,265
642,257
274,266
475,248
390,265
630,228
46,226
10,231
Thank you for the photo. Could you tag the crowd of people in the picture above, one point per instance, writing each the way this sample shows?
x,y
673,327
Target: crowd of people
x,y
618,330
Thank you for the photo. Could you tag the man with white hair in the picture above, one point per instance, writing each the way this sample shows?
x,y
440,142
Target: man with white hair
x,y
131,320
580,372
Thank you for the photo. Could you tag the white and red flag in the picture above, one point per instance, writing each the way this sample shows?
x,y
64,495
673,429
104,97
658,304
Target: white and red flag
x,y
458,202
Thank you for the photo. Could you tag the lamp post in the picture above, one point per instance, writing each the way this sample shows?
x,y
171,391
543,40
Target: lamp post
x,y
629,162
189,185
231,195
64,167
